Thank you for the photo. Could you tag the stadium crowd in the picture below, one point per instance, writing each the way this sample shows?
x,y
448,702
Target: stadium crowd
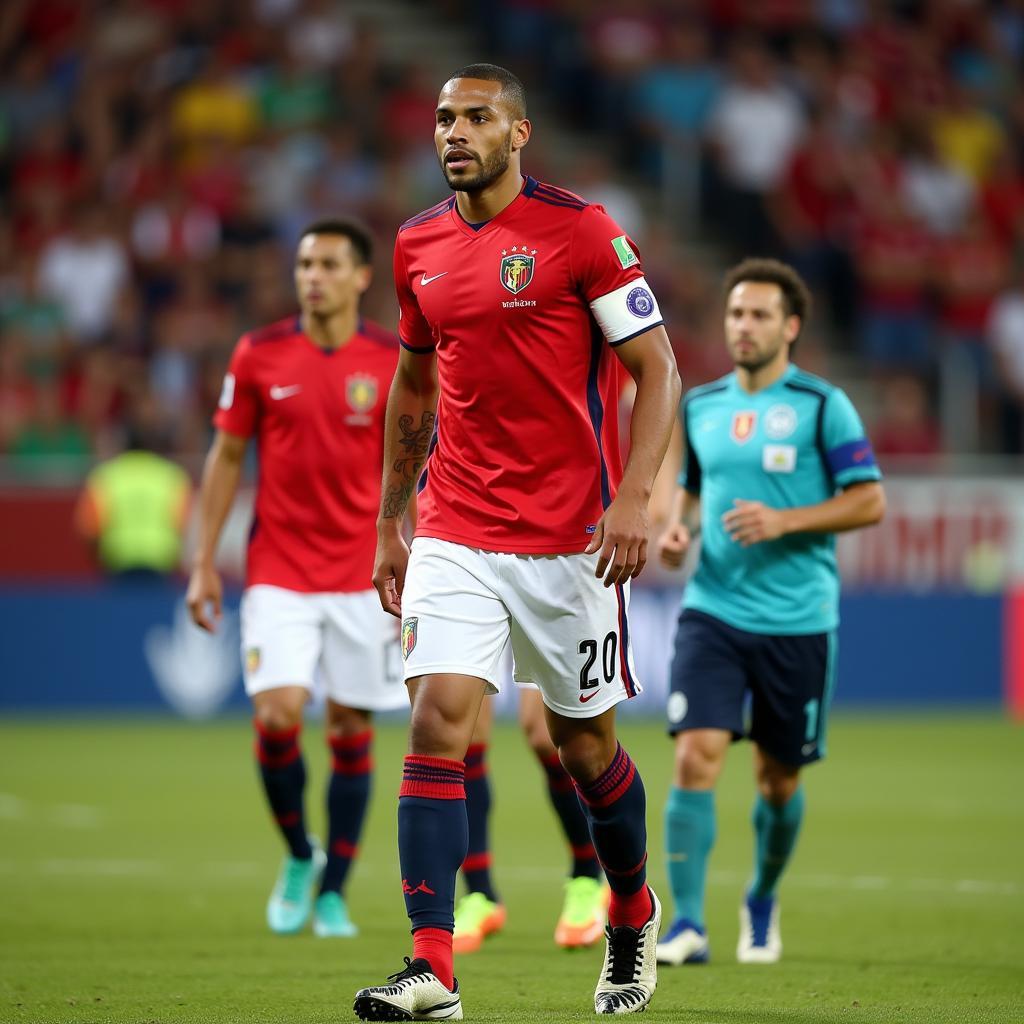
x,y
158,159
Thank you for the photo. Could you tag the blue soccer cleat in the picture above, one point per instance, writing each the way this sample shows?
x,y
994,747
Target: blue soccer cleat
x,y
760,939
684,943
291,902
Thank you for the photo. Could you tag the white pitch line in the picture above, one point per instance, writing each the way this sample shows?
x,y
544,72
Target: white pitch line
x,y
11,807
246,870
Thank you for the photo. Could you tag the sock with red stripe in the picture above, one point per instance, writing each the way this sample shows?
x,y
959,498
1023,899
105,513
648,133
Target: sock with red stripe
x,y
284,780
617,807
562,792
433,836
348,793
476,868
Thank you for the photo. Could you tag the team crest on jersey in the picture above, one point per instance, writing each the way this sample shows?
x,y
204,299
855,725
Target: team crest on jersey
x,y
361,392
253,659
516,268
780,421
409,636
743,424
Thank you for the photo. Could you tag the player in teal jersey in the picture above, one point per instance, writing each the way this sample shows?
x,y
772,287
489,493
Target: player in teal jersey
x,y
776,463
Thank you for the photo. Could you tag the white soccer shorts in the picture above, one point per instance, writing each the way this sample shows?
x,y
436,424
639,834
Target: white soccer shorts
x,y
569,634
288,637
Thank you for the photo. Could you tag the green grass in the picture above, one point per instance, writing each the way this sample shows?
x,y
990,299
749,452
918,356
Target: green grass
x,y
136,857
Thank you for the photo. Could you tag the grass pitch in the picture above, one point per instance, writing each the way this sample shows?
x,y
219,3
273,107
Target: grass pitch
x,y
136,858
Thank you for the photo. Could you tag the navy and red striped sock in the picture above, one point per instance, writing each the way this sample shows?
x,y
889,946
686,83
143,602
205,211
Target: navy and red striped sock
x,y
562,792
433,835
617,807
348,793
284,781
476,868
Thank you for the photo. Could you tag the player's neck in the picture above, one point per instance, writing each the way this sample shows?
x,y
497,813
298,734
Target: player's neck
x,y
476,207
762,377
330,332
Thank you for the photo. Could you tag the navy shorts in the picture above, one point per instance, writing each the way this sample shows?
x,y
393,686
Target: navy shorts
x,y
789,681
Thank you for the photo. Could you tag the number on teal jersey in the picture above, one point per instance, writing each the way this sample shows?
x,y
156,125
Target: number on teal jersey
x,y
811,710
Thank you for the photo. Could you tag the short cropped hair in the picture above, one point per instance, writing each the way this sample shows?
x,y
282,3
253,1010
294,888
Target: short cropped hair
x,y
796,296
353,230
512,90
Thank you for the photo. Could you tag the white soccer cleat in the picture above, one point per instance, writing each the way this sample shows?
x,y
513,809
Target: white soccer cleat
x,y
684,943
415,993
760,939
630,972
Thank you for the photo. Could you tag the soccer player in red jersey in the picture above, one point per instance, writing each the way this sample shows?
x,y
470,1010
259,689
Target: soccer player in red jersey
x,y
311,391
513,295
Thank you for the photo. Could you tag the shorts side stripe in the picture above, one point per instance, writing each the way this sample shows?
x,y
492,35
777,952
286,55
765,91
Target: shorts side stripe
x,y
627,676
831,660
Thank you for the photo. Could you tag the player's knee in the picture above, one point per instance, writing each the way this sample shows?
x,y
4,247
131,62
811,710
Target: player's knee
x,y
586,756
697,764
538,738
344,721
777,786
434,733
277,715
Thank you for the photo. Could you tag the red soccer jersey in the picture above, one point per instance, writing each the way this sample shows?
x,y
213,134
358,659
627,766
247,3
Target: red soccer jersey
x,y
521,313
318,418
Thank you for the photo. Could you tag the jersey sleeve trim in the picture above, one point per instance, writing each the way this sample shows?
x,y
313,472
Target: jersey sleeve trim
x,y
419,350
643,330
690,474
819,427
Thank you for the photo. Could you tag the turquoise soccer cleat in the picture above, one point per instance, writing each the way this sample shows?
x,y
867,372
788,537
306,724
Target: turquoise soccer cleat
x,y
330,918
291,902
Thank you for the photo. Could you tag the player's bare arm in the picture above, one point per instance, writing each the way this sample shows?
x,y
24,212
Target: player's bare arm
x,y
621,535
683,526
752,522
409,425
222,472
664,491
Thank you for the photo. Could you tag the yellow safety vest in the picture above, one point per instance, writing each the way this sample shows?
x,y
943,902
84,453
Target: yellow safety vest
x,y
139,497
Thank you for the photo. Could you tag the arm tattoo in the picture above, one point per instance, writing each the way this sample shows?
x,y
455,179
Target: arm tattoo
x,y
413,445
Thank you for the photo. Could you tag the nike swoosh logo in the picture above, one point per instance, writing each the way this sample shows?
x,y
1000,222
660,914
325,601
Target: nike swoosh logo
x,y
277,392
424,280
584,699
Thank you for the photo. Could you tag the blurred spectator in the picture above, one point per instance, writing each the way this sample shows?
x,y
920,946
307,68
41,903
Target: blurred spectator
x,y
966,135
320,33
1006,336
17,393
172,229
892,255
84,270
134,507
937,192
29,97
49,444
1002,199
214,105
905,426
675,96
970,270
592,178
755,128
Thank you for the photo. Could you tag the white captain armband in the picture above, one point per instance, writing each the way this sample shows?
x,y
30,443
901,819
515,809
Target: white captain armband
x,y
627,311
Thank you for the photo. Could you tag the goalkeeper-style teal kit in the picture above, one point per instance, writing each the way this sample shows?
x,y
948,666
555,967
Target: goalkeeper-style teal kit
x,y
762,619
795,443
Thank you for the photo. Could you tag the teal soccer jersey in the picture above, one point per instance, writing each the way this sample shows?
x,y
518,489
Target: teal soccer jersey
x,y
796,442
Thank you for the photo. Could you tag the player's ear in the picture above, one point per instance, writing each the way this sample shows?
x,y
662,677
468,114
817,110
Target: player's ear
x,y
364,275
792,328
521,132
